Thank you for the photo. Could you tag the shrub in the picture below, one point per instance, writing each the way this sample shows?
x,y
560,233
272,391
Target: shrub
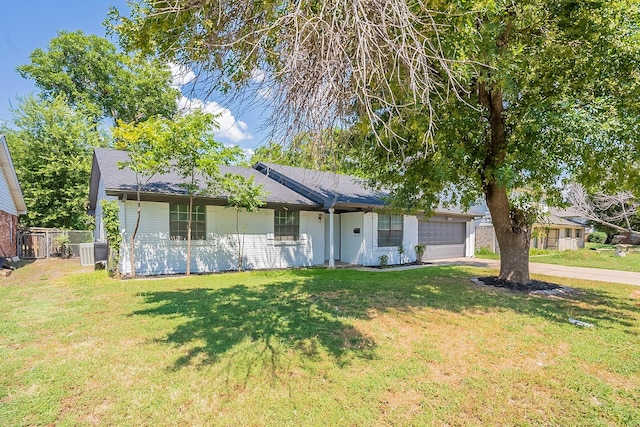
x,y
419,253
482,250
384,261
62,242
111,222
597,237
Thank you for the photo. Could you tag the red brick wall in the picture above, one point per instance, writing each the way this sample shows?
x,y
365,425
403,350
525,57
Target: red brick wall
x,y
8,234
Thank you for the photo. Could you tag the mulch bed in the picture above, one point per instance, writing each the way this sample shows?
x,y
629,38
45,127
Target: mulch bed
x,y
533,286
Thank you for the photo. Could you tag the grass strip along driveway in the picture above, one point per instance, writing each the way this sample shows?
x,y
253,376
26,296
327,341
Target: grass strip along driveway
x,y
313,347
591,259
588,257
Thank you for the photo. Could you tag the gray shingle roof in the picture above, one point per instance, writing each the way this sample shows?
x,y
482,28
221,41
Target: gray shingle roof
x,y
120,181
557,220
326,188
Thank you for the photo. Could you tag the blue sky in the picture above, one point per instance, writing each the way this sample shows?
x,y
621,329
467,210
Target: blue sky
x,y
30,24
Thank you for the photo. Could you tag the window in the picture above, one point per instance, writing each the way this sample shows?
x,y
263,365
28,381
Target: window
x,y
567,232
389,230
286,225
578,234
179,222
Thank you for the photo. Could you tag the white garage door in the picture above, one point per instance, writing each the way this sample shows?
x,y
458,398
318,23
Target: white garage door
x,y
442,239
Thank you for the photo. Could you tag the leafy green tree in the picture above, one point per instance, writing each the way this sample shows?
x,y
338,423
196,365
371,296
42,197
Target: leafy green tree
x,y
242,193
101,81
552,92
147,144
51,148
197,156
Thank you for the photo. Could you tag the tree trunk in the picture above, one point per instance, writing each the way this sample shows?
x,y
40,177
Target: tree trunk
x,y
132,256
513,234
189,235
511,226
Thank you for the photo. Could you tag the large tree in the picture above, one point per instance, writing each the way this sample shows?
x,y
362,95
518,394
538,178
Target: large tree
x,y
552,92
51,149
83,80
101,81
542,89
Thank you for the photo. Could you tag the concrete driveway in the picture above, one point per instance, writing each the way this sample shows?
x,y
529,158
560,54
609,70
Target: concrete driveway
x,y
596,274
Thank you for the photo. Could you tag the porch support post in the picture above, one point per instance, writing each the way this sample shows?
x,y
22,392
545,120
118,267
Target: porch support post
x,y
332,263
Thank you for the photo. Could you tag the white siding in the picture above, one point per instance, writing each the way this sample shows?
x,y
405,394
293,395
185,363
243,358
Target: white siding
x,y
409,241
363,248
6,200
253,232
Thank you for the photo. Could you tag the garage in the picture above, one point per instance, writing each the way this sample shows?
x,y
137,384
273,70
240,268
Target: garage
x,y
442,239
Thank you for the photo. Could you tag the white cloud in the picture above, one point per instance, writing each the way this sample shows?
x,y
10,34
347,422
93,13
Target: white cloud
x,y
229,128
258,78
180,75
248,152
258,75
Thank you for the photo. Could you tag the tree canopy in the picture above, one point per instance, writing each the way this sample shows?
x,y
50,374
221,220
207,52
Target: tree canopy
x,y
313,151
552,91
101,81
52,152
83,80
321,62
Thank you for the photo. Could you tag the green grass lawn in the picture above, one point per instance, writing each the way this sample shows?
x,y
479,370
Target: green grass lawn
x,y
312,347
591,258
582,258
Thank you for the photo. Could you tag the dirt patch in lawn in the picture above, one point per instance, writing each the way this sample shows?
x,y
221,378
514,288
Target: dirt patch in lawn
x,y
44,270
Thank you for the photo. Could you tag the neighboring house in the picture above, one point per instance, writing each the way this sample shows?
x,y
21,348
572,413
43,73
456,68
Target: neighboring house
x,y
12,203
556,232
309,218
572,215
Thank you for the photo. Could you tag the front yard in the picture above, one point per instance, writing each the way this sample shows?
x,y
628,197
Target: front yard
x,y
604,258
313,347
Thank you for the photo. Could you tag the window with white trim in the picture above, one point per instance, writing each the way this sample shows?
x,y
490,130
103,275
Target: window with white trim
x,y
390,230
286,225
179,222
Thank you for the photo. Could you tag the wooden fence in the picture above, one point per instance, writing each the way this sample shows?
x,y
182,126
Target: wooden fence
x,y
37,243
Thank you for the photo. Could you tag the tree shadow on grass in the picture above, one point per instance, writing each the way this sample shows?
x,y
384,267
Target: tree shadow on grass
x,y
217,320
314,310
